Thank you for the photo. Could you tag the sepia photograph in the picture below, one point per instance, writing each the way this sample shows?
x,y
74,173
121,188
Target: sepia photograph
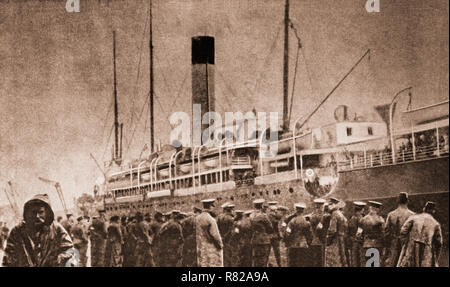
x,y
224,133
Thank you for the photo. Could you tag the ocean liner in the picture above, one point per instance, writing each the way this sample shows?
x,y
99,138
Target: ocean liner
x,y
351,158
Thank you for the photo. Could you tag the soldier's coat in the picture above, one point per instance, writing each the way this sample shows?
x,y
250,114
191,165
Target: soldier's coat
x,y
225,224
335,249
171,243
424,241
113,253
394,222
209,242
189,246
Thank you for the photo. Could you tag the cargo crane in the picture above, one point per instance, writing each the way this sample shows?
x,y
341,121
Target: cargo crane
x,y
57,186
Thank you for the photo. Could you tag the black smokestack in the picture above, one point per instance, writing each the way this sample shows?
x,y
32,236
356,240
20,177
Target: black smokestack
x,y
202,78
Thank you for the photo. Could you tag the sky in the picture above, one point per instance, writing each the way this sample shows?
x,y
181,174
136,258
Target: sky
x,y
56,85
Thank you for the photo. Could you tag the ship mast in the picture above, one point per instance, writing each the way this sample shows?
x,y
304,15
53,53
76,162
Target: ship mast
x,y
117,155
286,68
152,129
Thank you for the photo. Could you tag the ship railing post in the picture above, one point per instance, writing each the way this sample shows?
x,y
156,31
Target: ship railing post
x,y
413,143
371,160
139,174
151,174
261,153
193,167
199,170
381,158
301,164
351,163
175,167
437,140
131,174
294,146
170,167
365,157
156,171
403,155
220,162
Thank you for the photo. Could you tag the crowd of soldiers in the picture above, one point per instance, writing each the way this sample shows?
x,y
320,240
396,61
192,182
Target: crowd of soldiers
x,y
234,238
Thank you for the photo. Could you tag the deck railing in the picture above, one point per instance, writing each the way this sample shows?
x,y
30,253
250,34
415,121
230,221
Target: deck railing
x,y
380,158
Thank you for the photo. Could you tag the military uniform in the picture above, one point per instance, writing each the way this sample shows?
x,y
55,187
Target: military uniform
x,y
244,244
394,222
98,242
275,238
209,242
335,239
171,241
189,246
422,235
113,253
262,231
316,248
80,242
129,246
372,232
143,254
155,226
298,238
354,241
225,223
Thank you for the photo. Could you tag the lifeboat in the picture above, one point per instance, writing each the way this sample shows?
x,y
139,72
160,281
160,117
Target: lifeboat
x,y
164,172
211,163
186,168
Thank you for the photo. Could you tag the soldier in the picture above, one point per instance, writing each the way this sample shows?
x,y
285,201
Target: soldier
x,y
69,222
155,226
189,246
130,241
354,242
282,222
113,253
274,218
80,240
262,230
245,235
38,241
98,240
142,251
235,238
422,235
225,224
372,230
298,238
171,241
209,242
394,222
123,230
316,247
335,235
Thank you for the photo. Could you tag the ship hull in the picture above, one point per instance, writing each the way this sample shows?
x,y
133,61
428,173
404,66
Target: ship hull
x,y
423,180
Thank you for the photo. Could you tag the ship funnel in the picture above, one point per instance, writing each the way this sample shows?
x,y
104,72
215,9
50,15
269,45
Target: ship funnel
x,y
202,82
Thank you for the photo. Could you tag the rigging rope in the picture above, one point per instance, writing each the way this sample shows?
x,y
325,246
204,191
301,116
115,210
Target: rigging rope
x,y
267,60
134,129
133,114
296,66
